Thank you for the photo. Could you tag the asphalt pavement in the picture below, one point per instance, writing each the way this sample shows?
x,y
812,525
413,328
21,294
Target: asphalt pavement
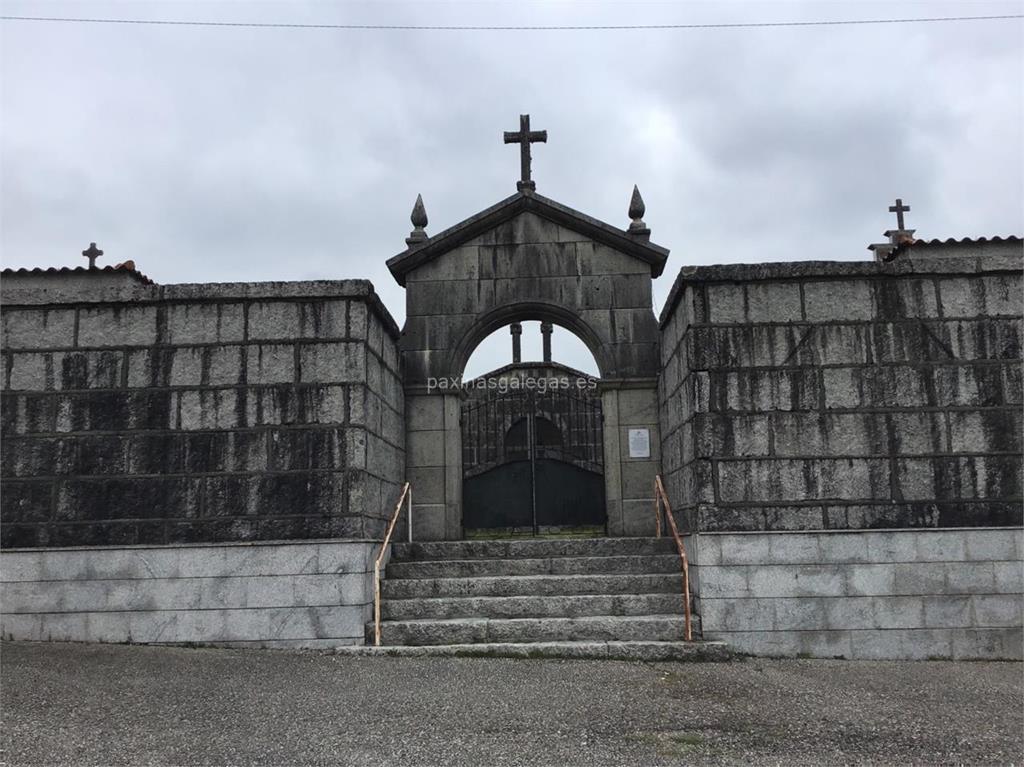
x,y
80,704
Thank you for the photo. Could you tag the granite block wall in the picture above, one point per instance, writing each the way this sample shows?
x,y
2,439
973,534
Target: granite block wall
x,y
841,395
311,594
146,414
910,594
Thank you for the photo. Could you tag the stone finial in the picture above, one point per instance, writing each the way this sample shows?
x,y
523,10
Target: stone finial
x,y
419,222
545,331
636,213
516,328
92,253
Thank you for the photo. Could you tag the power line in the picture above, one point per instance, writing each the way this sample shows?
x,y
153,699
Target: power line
x,y
487,28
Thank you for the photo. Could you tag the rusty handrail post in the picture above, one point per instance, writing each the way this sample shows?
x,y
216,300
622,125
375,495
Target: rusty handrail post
x,y
657,514
406,493
661,497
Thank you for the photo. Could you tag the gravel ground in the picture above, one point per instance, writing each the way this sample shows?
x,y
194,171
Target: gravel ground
x,y
68,704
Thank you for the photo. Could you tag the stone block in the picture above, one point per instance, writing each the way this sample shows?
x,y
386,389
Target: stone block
x,y
979,385
799,614
797,581
203,323
825,434
940,546
726,303
117,326
774,302
987,295
902,644
1009,577
997,611
297,449
826,301
31,371
780,518
794,549
724,582
206,366
835,345
738,614
914,578
798,480
764,390
915,433
270,363
332,363
425,448
208,409
745,549
990,545
708,549
638,480
944,611
906,297
903,612
272,320
37,328
984,431
719,435
428,521
843,548
845,613
638,406
988,644
892,546
637,517
970,578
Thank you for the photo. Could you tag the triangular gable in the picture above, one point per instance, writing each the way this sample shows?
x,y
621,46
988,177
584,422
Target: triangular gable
x,y
486,220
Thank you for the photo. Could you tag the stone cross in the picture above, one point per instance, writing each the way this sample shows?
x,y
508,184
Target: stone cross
x,y
899,209
524,137
92,254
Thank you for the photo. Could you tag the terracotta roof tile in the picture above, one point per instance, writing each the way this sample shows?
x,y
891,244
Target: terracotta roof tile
x,y
127,267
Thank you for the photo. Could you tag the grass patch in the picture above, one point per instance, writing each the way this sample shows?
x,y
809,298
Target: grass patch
x,y
673,744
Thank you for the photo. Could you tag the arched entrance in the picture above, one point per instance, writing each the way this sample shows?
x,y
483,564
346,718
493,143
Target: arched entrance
x,y
529,258
533,455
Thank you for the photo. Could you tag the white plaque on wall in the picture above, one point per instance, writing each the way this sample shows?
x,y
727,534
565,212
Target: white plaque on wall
x,y
639,443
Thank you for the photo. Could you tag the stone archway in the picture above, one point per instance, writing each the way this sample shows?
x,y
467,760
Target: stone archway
x,y
529,258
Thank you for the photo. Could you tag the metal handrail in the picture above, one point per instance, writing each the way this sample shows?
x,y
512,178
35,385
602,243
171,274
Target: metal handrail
x,y
406,493
660,497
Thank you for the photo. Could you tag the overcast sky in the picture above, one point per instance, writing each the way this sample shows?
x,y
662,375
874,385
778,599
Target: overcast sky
x,y
233,154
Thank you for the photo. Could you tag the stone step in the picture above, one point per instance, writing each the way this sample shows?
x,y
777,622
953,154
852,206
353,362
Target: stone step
x,y
703,652
531,585
532,606
568,565
605,628
531,548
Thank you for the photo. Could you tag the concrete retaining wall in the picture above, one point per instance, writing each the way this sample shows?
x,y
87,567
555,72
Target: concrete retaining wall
x,y
307,594
146,414
860,594
840,395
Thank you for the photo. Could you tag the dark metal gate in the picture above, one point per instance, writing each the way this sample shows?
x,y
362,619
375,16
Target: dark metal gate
x,y
533,461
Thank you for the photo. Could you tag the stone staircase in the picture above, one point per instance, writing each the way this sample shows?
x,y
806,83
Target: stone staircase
x,y
561,597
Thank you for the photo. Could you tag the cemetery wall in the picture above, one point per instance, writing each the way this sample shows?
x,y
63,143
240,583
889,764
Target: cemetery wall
x,y
313,594
841,395
891,594
145,414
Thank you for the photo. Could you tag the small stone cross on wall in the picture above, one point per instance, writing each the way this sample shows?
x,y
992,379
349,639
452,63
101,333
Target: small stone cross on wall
x,y
92,254
524,137
899,209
